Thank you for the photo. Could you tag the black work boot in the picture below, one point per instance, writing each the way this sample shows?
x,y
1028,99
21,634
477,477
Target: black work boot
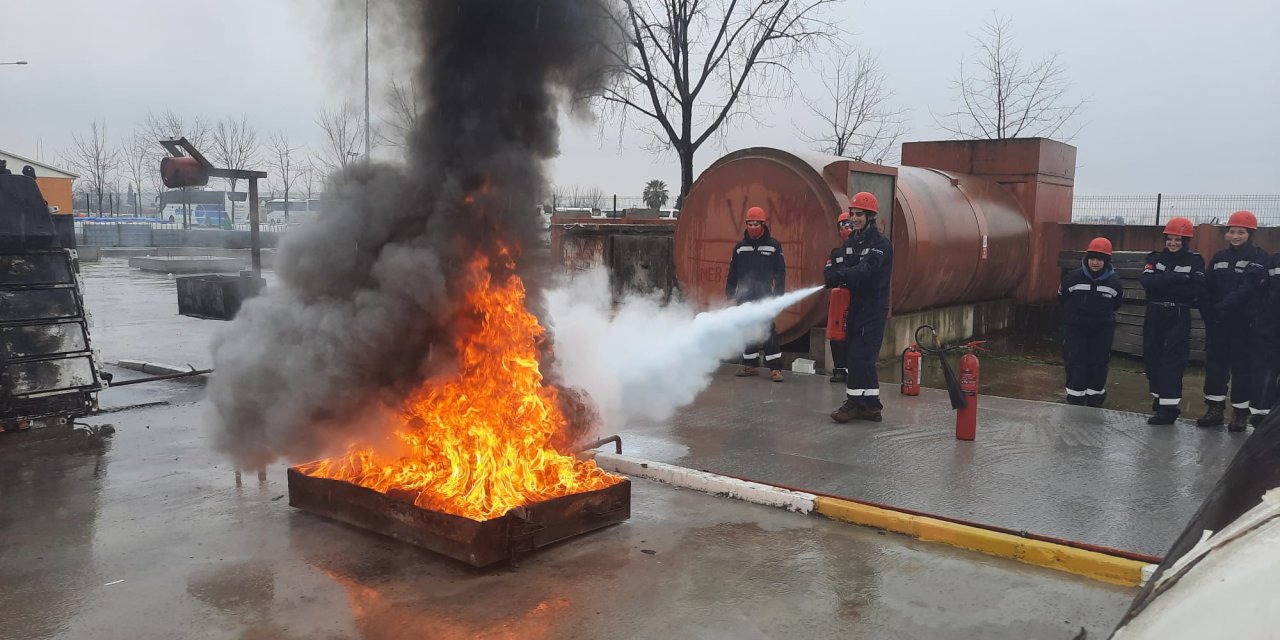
x,y
1095,400
1256,420
838,375
1163,417
1212,416
869,414
1075,400
847,411
1239,421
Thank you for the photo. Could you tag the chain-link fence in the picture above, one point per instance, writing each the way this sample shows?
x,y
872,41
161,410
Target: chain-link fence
x,y
1157,209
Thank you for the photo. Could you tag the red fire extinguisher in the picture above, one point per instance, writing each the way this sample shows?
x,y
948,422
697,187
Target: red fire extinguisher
x,y
911,371
836,311
967,416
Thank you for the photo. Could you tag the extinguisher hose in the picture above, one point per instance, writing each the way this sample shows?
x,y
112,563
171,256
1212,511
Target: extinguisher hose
x,y
958,400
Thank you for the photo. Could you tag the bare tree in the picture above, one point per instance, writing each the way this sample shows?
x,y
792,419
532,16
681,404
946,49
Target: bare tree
x,y
857,119
94,160
140,163
406,106
172,125
309,177
342,129
690,66
1006,97
282,158
235,146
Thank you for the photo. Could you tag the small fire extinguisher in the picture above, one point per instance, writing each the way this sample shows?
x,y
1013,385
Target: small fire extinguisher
x,y
911,370
967,416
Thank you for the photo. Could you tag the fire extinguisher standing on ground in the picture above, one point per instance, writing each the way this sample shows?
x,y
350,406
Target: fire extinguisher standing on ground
x,y
967,416
911,370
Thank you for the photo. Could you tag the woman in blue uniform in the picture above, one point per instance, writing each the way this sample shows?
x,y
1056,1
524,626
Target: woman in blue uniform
x,y
1173,279
1090,297
1234,278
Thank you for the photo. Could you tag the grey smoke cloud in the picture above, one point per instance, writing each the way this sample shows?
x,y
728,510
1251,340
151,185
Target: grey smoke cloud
x,y
364,309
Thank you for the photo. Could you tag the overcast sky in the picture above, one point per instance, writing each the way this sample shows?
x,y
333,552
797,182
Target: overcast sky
x,y
1184,97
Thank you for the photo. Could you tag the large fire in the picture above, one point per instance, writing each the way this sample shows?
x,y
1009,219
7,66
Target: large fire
x,y
479,442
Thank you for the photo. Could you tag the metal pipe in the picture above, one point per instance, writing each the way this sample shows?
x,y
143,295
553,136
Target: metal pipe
x,y
167,376
255,241
603,441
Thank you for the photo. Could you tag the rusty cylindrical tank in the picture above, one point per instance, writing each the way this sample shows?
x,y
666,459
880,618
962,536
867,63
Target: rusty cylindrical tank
x,y
801,208
182,172
957,238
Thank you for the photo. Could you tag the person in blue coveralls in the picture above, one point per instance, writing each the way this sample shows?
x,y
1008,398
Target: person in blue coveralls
x,y
1174,280
1090,297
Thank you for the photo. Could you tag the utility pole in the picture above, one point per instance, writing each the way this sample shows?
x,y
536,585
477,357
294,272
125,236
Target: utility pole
x,y
367,144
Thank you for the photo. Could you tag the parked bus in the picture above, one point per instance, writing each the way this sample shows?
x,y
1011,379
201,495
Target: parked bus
x,y
297,211
207,208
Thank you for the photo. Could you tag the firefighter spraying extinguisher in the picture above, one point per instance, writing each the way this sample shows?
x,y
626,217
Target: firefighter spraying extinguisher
x,y
911,370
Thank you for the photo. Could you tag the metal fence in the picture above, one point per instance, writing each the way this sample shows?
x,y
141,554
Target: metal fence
x,y
1157,209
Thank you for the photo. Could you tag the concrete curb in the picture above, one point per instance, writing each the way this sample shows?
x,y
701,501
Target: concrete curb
x,y
1083,562
152,368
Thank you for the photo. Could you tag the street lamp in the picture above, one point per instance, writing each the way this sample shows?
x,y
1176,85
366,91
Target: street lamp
x,y
16,62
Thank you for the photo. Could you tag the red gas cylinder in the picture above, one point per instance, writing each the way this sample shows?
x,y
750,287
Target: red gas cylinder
x,y
911,357
967,417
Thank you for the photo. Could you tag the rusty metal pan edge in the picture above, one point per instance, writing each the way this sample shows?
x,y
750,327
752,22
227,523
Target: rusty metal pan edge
x,y
474,542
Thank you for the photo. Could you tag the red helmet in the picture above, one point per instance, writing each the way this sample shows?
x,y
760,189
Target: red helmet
x,y
865,201
755,214
1179,227
1100,245
844,215
1244,219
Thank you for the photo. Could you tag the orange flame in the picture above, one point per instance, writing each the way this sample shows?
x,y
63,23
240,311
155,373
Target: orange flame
x,y
479,441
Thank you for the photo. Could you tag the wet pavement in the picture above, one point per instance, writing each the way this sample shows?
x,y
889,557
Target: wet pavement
x,y
145,534
1089,475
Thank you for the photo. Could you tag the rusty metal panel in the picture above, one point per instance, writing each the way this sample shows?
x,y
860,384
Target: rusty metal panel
x,y
42,339
477,543
50,376
38,304
642,263
582,252
47,268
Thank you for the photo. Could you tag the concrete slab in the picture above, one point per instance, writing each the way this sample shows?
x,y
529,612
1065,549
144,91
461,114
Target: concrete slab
x,y
188,264
1090,475
145,535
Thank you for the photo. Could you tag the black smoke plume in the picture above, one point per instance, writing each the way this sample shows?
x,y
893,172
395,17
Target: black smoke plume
x,y
361,312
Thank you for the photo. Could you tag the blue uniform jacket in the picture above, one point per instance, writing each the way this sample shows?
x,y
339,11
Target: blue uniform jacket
x,y
1176,277
1090,298
865,267
757,269
1235,276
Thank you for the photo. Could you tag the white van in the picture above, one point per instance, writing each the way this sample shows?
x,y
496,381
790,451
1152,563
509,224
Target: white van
x,y
580,212
668,214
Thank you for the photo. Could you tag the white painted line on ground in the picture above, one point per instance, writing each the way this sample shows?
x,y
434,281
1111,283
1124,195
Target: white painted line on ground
x,y
755,492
